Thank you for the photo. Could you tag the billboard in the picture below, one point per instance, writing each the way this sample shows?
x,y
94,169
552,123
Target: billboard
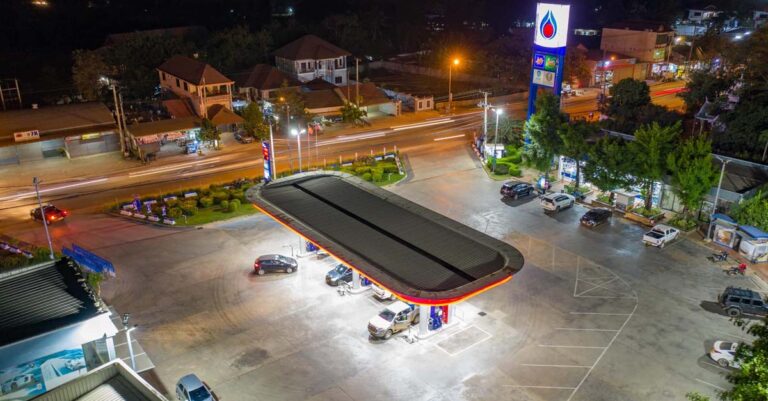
x,y
28,380
551,25
267,156
544,78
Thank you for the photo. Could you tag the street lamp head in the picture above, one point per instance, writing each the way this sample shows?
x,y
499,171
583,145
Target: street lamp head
x,y
282,99
499,112
294,131
455,61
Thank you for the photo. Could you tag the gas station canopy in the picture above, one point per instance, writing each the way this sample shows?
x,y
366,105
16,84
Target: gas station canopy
x,y
418,255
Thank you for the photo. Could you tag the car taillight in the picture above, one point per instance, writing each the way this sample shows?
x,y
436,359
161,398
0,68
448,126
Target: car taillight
x,y
256,265
64,213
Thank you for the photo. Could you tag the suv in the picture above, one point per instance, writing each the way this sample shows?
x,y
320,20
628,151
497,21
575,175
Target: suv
x,y
555,201
516,189
52,214
338,274
396,317
270,263
737,301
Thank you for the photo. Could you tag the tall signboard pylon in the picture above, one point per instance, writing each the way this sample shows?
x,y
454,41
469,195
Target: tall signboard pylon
x,y
548,50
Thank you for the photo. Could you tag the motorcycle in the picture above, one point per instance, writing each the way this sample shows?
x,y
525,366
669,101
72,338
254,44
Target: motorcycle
x,y
740,269
719,257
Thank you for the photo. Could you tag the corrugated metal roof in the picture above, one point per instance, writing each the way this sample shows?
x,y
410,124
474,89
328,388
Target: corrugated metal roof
x,y
38,300
115,389
411,250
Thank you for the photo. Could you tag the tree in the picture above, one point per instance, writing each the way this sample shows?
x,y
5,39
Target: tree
x,y
542,128
236,48
289,99
351,113
254,122
692,172
628,95
576,68
209,132
574,137
753,211
703,85
87,71
511,132
608,166
649,152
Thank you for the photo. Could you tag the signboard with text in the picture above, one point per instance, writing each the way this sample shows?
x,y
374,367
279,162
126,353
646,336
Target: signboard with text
x,y
542,77
26,136
550,40
551,25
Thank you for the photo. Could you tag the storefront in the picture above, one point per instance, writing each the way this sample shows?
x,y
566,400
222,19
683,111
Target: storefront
x,y
165,137
754,244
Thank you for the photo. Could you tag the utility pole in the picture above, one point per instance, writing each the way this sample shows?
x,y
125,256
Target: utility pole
x,y
357,82
122,114
117,117
36,182
272,152
499,112
717,195
485,116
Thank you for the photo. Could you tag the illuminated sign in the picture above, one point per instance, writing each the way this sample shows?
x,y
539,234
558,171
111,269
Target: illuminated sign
x,y
551,25
26,136
658,54
86,137
544,61
267,160
544,78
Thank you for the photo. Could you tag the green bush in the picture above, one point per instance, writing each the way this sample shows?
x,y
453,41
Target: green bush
x,y
205,201
501,168
172,203
514,170
175,212
390,168
348,170
13,261
224,205
238,195
189,207
377,173
234,205
362,170
367,176
220,196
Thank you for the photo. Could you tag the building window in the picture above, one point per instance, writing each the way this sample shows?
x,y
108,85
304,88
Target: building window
x,y
163,74
186,87
338,80
177,83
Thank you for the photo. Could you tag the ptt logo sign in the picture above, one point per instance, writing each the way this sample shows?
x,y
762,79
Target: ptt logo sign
x,y
551,25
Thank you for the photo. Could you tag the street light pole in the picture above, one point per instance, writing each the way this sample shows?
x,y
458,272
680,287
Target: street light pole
x,y
36,182
298,143
499,112
272,152
450,92
717,195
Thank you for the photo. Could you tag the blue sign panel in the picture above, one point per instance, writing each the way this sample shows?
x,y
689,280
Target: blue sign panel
x,y
265,151
89,261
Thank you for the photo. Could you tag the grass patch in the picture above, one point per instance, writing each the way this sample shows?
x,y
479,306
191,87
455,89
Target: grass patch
x,y
389,179
215,213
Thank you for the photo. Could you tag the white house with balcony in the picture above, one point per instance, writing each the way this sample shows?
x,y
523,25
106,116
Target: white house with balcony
x,y
311,57
197,83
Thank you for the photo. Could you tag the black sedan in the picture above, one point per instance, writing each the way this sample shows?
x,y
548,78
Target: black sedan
x,y
516,189
273,263
52,214
595,217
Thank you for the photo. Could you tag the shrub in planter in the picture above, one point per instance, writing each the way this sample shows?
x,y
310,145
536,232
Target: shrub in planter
x,y
189,207
224,205
220,196
175,212
515,170
172,202
390,168
362,170
206,201
238,195
501,168
367,176
348,170
234,205
377,174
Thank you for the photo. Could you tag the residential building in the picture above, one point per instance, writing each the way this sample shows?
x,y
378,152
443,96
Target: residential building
x,y
609,68
648,42
311,57
703,14
263,82
71,130
700,20
201,85
760,16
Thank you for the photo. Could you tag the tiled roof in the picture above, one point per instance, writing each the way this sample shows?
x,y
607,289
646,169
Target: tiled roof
x,y
321,99
318,84
220,115
193,71
369,94
263,77
42,299
310,47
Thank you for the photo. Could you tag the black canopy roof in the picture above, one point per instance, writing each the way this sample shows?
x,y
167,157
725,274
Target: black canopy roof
x,y
420,255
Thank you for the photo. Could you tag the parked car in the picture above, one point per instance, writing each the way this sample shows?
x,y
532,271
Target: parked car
x,y
191,388
272,263
660,235
396,317
595,217
243,138
382,294
738,301
52,214
724,353
516,189
18,382
338,274
554,202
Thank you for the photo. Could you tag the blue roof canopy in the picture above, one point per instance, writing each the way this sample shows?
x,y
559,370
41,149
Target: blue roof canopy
x,y
754,232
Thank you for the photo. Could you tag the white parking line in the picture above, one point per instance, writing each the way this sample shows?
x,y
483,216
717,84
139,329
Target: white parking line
x,y
449,137
547,387
555,366
710,384
600,313
575,329
717,366
569,346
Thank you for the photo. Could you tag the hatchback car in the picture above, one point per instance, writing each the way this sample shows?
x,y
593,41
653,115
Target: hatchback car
x,y
724,353
52,214
556,201
595,217
516,189
191,388
338,274
275,263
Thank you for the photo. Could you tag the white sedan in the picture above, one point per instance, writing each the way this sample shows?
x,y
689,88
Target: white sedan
x,y
724,352
555,201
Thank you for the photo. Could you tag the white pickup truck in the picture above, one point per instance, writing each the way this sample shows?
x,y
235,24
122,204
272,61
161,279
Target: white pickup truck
x,y
660,235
